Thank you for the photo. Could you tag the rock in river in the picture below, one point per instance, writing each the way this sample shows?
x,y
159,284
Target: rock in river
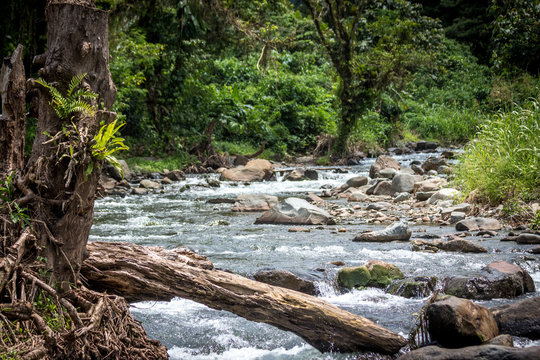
x,y
294,211
397,231
253,202
383,162
478,223
254,170
285,279
374,273
482,352
498,280
520,319
455,322
417,287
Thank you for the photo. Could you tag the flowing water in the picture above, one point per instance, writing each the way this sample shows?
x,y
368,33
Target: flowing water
x,y
231,240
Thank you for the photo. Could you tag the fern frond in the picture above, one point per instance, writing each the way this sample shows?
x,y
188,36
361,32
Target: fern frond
x,y
75,81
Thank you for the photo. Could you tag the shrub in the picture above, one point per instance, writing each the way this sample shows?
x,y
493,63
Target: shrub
x,y
503,161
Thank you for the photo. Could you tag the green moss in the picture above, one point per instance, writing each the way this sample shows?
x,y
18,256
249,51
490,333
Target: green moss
x,y
352,277
383,276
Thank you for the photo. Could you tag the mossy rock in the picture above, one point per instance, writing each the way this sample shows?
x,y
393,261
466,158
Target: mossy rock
x,y
417,287
373,274
352,277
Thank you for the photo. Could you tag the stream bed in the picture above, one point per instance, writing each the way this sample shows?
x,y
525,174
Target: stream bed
x,y
232,242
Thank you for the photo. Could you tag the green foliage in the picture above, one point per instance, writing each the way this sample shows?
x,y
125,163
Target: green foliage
x,y
150,164
106,143
74,101
51,313
17,214
503,161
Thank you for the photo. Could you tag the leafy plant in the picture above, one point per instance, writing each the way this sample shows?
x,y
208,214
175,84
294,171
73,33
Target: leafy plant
x,y
17,214
75,100
106,144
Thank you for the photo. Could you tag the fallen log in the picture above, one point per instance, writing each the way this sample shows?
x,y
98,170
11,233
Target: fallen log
x,y
152,273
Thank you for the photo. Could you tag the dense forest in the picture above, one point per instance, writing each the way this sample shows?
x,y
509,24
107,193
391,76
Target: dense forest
x,y
115,101
199,77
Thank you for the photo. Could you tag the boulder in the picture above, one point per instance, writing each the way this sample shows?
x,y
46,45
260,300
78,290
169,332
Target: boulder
x,y
452,245
463,208
139,191
520,319
456,216
383,162
502,340
254,202
444,194
380,188
417,169
294,211
388,173
417,287
397,231
478,223
433,163
355,182
149,184
424,195
403,183
404,196
285,279
116,174
379,206
432,184
480,352
254,170
356,196
455,322
498,280
528,238
314,199
295,175
374,273
176,175
425,145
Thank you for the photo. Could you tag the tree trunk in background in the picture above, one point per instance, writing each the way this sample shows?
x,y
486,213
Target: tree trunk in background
x,y
62,194
152,273
13,118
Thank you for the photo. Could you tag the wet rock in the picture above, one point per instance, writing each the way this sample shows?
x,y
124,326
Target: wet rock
x,y
535,250
175,175
528,238
447,154
356,182
453,245
139,191
520,319
314,199
372,274
285,279
404,183
149,184
294,211
221,201
402,197
381,188
417,287
301,175
254,170
240,160
254,202
166,181
213,183
383,162
498,280
399,231
501,340
478,223
444,194
481,352
455,322
417,169
432,184
116,174
425,145
299,229
433,163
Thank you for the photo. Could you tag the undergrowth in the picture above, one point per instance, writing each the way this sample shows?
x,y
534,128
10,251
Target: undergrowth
x,y
503,161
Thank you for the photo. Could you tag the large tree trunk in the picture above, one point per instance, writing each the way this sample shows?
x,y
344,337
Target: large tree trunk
x,y
152,273
13,118
63,194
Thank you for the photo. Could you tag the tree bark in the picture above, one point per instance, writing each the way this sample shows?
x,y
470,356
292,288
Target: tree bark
x,y
13,118
77,43
152,273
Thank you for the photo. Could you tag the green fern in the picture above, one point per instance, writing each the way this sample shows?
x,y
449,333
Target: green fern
x,y
106,144
75,101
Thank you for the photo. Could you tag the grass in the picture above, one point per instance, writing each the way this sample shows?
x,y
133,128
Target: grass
x,y
152,164
503,161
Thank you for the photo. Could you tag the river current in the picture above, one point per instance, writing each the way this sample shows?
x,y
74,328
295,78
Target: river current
x,y
232,242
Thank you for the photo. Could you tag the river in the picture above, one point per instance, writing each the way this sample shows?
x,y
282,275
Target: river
x,y
185,218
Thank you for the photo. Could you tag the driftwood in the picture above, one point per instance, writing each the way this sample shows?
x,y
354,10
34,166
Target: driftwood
x,y
152,273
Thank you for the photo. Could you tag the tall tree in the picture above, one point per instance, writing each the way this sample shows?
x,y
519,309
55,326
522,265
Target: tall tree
x,y
373,46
